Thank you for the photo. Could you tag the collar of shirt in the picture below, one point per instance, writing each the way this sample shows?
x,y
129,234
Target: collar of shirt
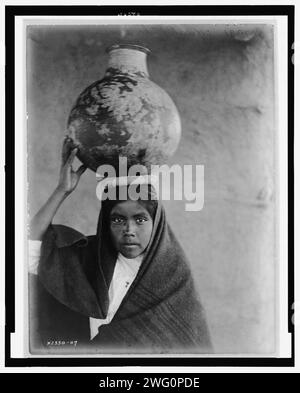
x,y
125,271
130,265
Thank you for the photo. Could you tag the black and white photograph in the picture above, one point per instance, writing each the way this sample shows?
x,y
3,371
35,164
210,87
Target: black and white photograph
x,y
152,153
196,281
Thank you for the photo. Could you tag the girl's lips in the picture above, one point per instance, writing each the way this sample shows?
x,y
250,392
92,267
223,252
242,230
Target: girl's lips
x,y
130,245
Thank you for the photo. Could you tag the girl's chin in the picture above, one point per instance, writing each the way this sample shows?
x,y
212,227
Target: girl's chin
x,y
130,252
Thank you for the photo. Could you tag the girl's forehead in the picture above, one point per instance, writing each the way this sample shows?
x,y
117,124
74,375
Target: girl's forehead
x,y
129,207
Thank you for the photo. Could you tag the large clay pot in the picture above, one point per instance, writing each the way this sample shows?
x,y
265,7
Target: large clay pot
x,y
124,114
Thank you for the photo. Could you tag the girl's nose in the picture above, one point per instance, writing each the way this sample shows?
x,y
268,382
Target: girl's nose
x,y
129,229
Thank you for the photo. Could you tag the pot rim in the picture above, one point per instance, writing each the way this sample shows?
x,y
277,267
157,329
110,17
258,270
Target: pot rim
x,y
128,46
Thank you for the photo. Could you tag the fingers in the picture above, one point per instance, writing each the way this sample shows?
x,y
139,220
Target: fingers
x,y
72,156
66,149
81,170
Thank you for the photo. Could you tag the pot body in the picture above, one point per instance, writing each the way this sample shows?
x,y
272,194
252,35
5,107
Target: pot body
x,y
124,114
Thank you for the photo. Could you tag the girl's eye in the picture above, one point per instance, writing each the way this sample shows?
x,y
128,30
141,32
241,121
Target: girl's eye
x,y
120,220
116,220
141,220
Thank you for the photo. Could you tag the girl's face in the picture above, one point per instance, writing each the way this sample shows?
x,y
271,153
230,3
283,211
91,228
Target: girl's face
x,y
131,227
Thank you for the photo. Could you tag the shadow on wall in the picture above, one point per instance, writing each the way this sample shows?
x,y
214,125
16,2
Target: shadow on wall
x,y
221,80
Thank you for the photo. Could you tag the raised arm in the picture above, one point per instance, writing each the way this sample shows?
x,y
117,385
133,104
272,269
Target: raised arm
x,y
68,180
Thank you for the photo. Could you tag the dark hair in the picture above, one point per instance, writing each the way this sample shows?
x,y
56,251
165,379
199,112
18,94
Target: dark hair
x,y
148,199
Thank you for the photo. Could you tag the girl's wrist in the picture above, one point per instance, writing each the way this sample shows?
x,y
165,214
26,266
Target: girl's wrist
x,y
61,193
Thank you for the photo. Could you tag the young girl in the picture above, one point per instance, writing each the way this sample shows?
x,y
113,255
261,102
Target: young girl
x,y
128,289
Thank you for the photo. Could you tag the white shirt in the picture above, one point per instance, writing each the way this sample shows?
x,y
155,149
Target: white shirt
x,y
124,274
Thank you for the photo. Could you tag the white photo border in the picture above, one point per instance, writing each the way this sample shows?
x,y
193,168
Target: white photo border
x,y
19,343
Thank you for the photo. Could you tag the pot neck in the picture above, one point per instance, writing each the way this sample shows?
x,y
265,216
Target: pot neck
x,y
128,61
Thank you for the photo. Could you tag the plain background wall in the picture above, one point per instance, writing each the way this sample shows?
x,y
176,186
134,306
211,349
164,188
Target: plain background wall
x,y
221,80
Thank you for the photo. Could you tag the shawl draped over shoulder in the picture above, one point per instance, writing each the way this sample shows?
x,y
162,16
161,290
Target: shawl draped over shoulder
x,y
160,313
